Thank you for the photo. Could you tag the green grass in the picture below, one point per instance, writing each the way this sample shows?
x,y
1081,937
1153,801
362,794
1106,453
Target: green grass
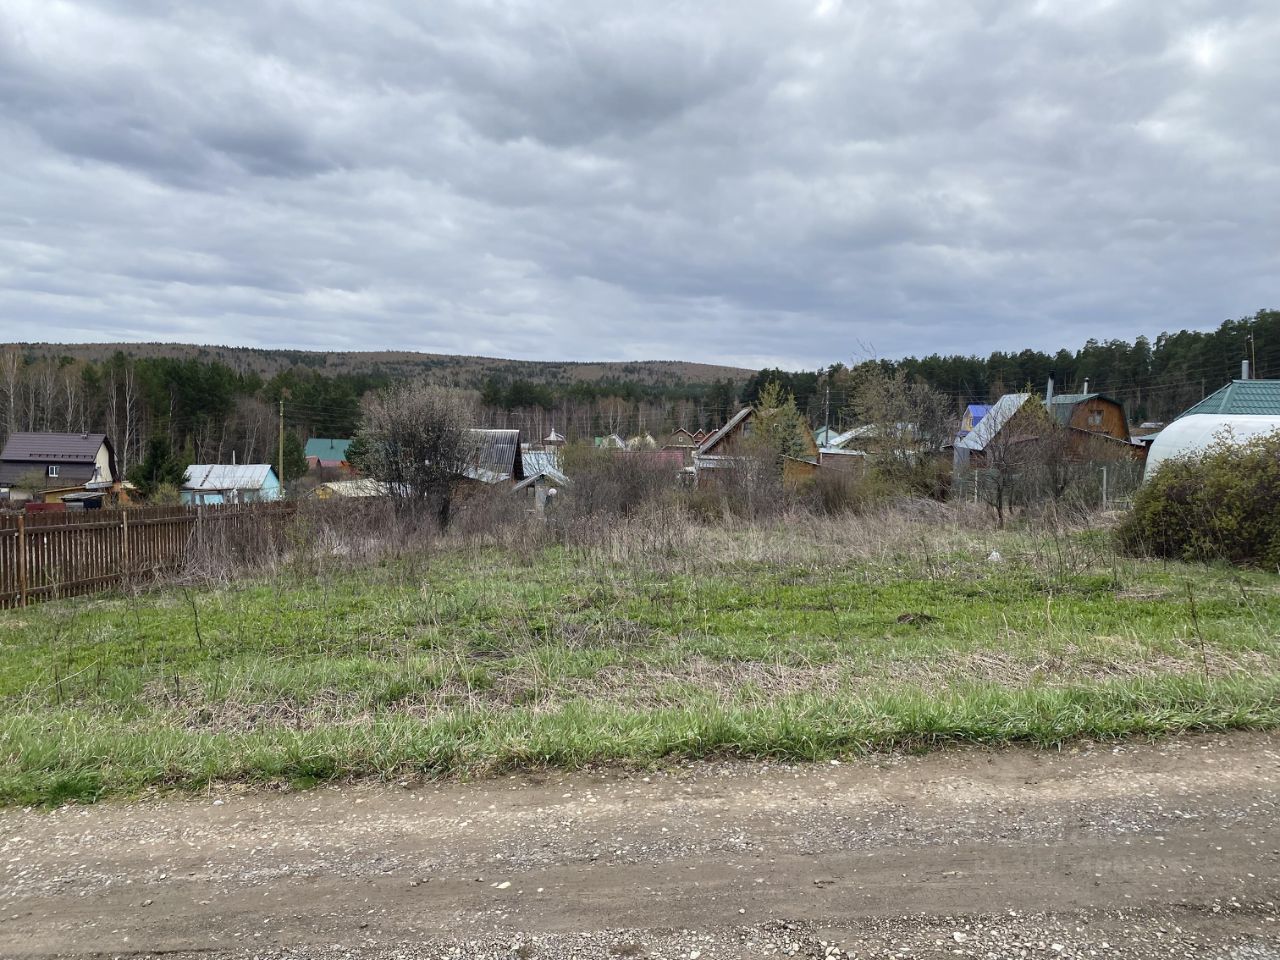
x,y
786,644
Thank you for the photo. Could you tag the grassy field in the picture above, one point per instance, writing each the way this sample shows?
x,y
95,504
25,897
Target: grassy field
x,y
799,640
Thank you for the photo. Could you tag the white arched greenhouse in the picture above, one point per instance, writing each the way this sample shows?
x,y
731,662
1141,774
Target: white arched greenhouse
x,y
1240,411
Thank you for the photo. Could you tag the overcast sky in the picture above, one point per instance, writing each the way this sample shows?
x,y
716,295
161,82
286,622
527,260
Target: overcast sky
x,y
750,182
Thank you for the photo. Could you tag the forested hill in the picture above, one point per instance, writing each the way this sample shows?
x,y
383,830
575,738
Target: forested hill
x,y
461,371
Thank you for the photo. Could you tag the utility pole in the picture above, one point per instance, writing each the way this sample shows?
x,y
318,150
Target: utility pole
x,y
826,412
1253,358
281,461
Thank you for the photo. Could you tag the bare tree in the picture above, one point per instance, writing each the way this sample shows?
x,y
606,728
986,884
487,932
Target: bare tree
x,y
1017,457
10,386
414,437
73,416
909,424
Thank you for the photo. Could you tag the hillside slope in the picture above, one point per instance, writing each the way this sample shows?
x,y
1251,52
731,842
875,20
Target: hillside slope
x,y
445,368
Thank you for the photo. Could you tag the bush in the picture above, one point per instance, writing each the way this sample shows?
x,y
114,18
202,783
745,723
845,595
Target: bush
x,y
1224,505
614,483
829,492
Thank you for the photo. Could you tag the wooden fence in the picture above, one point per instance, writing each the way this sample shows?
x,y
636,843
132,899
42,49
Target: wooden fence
x,y
44,556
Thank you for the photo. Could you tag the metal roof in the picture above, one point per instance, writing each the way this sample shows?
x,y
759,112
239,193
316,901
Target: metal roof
x,y
865,431
1001,412
723,432
1064,404
536,461
1242,398
361,487
326,448
494,456
53,447
551,473
227,476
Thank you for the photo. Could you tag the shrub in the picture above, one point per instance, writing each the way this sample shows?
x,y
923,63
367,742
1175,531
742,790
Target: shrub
x,y
1223,505
831,491
615,483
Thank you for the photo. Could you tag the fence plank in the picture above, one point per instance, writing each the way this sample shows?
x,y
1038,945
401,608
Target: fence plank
x,y
22,560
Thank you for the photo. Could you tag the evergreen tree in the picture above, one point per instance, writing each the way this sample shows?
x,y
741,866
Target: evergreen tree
x,y
780,428
161,467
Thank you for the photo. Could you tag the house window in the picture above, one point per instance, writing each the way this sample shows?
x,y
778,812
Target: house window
x,y
51,471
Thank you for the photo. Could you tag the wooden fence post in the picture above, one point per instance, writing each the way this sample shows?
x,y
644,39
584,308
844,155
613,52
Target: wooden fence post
x,y
124,547
22,560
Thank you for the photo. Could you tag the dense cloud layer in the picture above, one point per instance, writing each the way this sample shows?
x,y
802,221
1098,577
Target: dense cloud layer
x,y
751,182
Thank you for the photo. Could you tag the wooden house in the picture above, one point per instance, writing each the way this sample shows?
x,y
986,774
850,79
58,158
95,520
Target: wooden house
x,y
730,445
1096,428
60,467
1091,413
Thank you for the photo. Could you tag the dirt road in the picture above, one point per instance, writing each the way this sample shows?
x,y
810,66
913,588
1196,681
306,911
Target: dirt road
x,y
1139,850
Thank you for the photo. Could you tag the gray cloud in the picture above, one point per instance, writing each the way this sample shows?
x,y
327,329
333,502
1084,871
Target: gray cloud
x,y
762,182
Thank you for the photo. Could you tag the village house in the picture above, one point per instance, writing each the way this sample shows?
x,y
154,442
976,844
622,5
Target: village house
x,y
324,453
213,483
542,476
846,451
77,468
685,442
495,456
972,416
1096,428
681,437
727,448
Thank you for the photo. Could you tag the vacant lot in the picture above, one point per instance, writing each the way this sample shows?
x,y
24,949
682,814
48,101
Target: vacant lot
x,y
662,639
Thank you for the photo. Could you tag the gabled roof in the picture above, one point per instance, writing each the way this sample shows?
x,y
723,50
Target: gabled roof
x,y
494,456
865,431
362,487
1064,404
554,437
536,461
1001,412
325,448
1241,398
227,476
53,447
711,442
550,473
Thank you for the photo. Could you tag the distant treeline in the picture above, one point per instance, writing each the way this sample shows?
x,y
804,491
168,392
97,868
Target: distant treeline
x,y
1154,381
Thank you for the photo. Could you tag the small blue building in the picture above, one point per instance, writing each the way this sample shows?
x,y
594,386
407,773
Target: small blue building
x,y
207,483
